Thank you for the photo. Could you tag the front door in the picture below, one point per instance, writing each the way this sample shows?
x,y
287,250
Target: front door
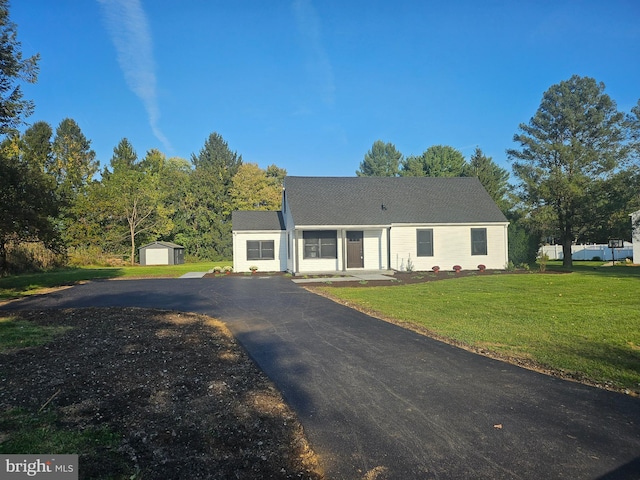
x,y
355,252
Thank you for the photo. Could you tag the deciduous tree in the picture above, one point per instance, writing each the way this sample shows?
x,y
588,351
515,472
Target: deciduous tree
x,y
383,160
253,189
130,203
436,161
27,204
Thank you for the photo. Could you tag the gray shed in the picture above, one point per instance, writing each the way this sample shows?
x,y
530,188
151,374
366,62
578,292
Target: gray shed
x,y
161,253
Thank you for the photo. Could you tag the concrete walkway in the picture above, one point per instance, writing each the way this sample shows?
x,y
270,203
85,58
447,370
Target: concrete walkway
x,y
345,278
194,275
381,402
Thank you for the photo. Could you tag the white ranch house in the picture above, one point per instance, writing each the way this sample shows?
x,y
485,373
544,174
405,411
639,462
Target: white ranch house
x,y
344,224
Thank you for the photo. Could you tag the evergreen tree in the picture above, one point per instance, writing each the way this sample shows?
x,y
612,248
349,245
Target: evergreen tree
x,y
570,149
207,230
13,69
494,179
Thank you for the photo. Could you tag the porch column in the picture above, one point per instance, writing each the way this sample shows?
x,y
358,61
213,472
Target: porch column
x,y
343,259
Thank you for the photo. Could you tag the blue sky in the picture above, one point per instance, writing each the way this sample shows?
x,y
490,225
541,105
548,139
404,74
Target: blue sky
x,y
309,85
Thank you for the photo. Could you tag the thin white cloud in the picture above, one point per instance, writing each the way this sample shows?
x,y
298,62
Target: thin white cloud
x,y
129,30
308,22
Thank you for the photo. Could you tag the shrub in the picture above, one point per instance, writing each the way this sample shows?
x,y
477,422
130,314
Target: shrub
x,y
409,264
32,257
510,266
542,261
227,269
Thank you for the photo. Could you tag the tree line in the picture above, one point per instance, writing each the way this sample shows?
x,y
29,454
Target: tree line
x,y
576,171
132,201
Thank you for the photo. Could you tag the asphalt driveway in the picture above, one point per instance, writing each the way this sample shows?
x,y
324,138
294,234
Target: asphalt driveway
x,y
378,401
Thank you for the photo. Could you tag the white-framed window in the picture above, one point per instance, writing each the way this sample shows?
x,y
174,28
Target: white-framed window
x,y
478,241
260,250
320,244
424,242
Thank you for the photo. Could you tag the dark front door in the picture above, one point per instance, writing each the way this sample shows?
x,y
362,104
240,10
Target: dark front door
x,y
355,253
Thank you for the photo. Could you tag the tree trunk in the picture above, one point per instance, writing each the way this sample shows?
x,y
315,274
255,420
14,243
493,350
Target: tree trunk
x,y
3,258
567,260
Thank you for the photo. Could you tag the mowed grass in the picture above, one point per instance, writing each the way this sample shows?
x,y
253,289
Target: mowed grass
x,y
15,334
585,324
21,285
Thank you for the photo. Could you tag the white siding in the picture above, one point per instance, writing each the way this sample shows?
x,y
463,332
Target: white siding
x,y
289,237
451,246
240,262
309,265
375,250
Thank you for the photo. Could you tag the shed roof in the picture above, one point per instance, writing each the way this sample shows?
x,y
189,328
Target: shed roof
x,y
161,244
257,220
387,200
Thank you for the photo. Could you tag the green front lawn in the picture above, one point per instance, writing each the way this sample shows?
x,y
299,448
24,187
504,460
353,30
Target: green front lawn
x,y
28,284
585,323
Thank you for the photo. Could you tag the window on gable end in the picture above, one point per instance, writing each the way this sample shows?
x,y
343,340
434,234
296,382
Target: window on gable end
x,y
478,241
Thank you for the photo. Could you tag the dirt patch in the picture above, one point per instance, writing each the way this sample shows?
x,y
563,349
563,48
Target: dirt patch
x,y
185,399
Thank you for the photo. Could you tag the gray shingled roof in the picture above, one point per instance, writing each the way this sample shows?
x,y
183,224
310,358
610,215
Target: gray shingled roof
x,y
257,220
162,244
360,200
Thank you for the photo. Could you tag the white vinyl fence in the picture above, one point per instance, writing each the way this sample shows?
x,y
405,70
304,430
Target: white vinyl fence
x,y
589,252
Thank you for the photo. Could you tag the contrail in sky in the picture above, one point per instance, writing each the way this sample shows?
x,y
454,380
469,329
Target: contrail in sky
x,y
308,22
129,30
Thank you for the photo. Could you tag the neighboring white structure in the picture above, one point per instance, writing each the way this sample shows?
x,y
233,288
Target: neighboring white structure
x,y
635,225
330,224
589,252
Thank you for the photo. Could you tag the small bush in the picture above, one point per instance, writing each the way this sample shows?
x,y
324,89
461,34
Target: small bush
x,y
510,266
542,261
409,267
